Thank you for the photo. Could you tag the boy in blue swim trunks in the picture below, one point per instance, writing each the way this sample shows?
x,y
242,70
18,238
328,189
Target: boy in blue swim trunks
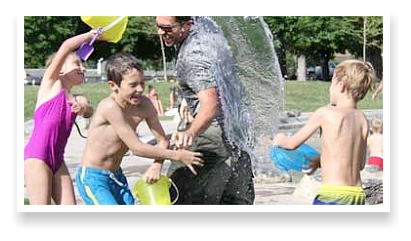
x,y
112,133
344,135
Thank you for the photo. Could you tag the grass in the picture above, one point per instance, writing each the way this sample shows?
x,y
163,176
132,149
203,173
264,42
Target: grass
x,y
95,92
27,202
306,96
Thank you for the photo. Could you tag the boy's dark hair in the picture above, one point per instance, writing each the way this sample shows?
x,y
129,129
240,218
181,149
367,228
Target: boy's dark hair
x,y
120,64
183,18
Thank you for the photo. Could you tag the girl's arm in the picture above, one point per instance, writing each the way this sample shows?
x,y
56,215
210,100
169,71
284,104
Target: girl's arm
x,y
69,45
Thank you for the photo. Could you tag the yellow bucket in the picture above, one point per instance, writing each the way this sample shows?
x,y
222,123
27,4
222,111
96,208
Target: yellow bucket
x,y
113,26
155,194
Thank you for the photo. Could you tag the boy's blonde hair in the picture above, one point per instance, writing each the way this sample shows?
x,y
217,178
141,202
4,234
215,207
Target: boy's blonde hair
x,y
358,77
376,125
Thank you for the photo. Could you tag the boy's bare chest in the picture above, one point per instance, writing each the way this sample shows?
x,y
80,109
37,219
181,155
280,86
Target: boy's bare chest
x,y
134,118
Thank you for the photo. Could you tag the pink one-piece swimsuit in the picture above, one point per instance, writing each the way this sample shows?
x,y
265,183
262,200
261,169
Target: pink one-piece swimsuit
x,y
53,121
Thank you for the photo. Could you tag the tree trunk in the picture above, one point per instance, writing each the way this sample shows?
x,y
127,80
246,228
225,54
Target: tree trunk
x,y
164,58
301,68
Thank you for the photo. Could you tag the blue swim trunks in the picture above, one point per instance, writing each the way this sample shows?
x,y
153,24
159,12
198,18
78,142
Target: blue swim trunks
x,y
101,187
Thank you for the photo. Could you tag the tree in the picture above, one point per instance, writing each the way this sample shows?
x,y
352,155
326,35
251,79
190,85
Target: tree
x,y
44,34
319,38
284,39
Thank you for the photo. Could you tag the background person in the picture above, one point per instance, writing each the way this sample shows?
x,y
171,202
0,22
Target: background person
x,y
153,96
378,90
375,143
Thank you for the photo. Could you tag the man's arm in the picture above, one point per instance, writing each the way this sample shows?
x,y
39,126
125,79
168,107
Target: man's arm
x,y
208,110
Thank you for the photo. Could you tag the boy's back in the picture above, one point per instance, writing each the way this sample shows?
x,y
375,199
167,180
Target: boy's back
x,y
343,145
344,135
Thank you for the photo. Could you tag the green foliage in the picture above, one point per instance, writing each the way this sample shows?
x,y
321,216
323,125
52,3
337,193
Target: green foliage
x,y
315,37
291,65
43,35
318,38
141,39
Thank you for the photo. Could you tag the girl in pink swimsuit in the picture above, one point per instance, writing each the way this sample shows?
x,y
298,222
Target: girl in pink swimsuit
x,y
53,121
46,175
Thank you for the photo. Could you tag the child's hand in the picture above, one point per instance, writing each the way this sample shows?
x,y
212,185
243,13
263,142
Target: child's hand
x,y
78,107
312,166
279,138
153,173
190,158
100,36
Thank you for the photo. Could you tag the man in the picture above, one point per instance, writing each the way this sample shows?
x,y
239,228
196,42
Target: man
x,y
226,177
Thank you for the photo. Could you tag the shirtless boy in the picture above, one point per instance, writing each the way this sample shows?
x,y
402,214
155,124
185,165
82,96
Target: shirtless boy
x,y
344,135
375,143
112,133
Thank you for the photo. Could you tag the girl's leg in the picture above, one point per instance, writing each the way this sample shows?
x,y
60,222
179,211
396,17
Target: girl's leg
x,y
38,177
63,191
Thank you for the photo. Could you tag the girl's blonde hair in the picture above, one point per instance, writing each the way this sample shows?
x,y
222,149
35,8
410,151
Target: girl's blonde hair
x,y
51,57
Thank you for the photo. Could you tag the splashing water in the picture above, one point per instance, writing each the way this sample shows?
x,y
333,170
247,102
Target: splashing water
x,y
253,99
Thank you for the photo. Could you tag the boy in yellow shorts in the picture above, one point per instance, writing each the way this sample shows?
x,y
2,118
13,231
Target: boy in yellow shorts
x,y
344,135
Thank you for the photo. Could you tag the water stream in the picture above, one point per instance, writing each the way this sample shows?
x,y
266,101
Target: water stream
x,y
253,96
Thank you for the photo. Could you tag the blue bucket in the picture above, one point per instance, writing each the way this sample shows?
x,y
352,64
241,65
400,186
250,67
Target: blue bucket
x,y
292,159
